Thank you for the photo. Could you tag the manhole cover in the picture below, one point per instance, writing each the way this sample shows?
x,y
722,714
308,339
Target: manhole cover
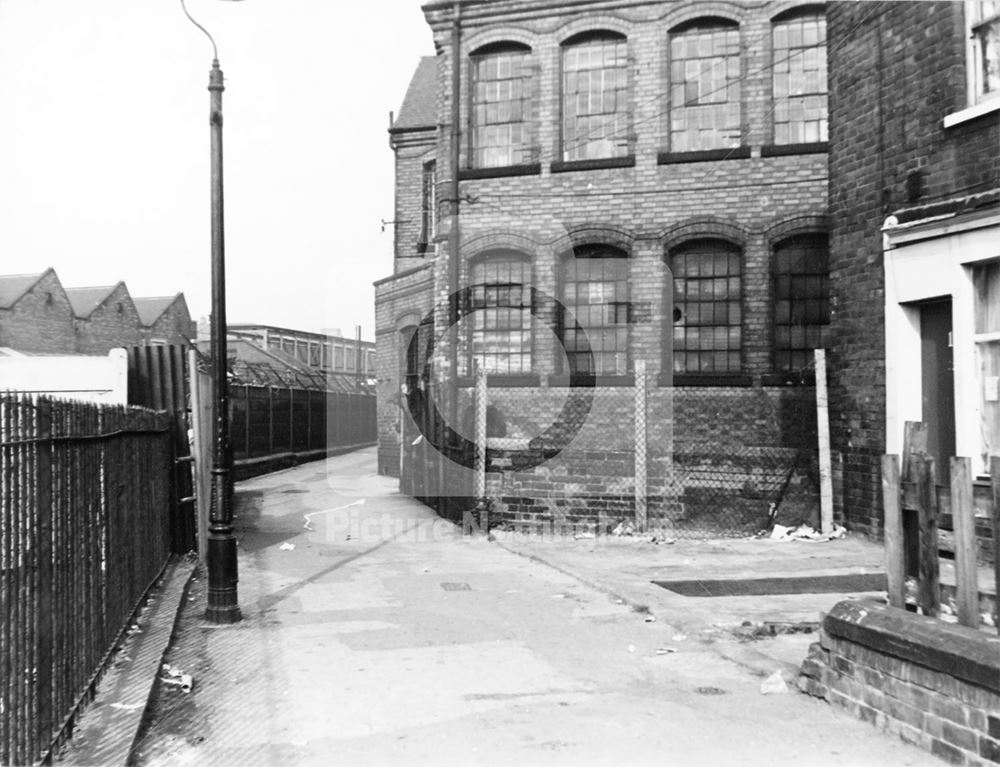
x,y
710,691
456,587
847,583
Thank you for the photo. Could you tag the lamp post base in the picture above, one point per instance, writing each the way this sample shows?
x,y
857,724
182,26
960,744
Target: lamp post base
x,y
222,598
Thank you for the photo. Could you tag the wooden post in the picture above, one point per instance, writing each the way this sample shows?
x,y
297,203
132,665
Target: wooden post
x,y
895,550
930,590
823,435
641,520
914,446
964,525
995,482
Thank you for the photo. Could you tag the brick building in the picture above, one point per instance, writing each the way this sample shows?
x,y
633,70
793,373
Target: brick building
x,y
330,352
39,316
659,170
35,314
915,243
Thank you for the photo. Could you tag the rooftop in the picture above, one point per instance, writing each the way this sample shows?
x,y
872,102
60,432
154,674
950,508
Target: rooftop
x,y
419,109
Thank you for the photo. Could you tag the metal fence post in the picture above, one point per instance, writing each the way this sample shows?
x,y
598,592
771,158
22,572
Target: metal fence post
x,y
640,445
481,435
291,421
246,421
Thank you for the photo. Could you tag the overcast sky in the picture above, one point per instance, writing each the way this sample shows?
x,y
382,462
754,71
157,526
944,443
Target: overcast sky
x,y
104,148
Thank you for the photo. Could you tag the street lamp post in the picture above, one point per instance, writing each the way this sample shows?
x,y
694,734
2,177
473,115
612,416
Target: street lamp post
x,y
223,606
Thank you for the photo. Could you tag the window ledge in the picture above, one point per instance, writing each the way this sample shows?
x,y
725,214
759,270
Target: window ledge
x,y
498,380
561,379
971,113
530,169
806,378
783,150
704,155
565,166
740,380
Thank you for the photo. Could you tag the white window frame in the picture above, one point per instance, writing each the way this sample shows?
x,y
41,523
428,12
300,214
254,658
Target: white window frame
x,y
977,101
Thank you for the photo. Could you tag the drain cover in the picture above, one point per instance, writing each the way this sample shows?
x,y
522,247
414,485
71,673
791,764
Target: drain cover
x,y
456,587
847,583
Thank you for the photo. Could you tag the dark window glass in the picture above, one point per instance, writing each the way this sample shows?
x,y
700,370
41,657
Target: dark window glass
x,y
594,287
801,300
707,307
799,80
595,99
705,88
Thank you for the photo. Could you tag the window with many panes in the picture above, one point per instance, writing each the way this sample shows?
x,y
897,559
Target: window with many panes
x,y
594,287
595,97
801,300
986,283
708,309
500,308
705,87
501,105
983,20
428,206
799,79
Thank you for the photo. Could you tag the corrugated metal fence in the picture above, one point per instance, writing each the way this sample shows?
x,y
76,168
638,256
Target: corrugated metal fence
x,y
85,531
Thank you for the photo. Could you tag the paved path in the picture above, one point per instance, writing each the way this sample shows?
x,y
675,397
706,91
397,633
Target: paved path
x,y
385,637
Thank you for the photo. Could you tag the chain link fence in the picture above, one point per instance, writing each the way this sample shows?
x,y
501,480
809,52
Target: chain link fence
x,y
691,462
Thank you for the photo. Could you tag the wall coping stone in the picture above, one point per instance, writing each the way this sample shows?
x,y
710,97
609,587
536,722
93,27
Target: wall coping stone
x,y
959,651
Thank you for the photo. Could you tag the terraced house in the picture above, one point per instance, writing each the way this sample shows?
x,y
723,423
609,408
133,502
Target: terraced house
x,y
606,187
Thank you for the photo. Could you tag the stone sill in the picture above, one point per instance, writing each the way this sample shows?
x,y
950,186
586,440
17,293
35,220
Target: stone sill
x,y
528,169
566,166
706,155
971,113
737,380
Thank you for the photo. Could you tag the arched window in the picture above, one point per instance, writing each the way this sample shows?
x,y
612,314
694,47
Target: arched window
x,y
801,300
705,86
708,311
501,105
594,286
799,79
412,358
595,97
500,304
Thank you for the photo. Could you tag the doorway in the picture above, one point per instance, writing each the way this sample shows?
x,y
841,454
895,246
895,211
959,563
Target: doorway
x,y
937,382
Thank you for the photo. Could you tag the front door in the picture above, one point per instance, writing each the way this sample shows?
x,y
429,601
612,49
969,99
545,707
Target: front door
x,y
937,379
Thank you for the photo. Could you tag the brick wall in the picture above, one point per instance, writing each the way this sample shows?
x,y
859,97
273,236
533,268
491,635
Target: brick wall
x,y
646,209
114,323
412,153
716,458
887,105
174,326
41,321
401,302
932,684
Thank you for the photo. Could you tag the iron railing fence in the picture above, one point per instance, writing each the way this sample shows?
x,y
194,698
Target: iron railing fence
x,y
84,533
267,420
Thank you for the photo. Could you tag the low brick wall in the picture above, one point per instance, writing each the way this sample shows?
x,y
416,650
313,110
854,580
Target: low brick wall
x,y
934,684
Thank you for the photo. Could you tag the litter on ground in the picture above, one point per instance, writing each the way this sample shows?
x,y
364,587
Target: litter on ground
x,y
805,533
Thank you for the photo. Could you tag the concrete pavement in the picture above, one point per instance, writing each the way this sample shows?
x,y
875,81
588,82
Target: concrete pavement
x,y
375,633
